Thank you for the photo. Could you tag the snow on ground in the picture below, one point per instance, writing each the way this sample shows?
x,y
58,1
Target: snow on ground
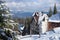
x,y
50,35
27,37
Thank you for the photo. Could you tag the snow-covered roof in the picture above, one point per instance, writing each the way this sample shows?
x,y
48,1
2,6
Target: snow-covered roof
x,y
55,18
37,13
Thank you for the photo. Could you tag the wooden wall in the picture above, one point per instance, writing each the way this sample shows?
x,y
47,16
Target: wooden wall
x,y
52,25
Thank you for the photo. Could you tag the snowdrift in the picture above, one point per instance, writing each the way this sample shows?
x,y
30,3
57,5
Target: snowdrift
x,y
50,35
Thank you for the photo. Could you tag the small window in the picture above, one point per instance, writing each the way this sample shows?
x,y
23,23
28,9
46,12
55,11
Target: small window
x,y
44,19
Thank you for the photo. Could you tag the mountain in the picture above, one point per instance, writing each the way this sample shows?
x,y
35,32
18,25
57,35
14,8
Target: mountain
x,y
19,14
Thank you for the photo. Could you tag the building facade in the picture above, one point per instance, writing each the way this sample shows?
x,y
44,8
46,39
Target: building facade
x,y
44,22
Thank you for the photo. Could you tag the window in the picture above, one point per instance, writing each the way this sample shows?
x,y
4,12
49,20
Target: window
x,y
56,24
44,19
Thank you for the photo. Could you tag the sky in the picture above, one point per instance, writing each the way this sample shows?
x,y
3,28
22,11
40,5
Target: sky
x,y
32,5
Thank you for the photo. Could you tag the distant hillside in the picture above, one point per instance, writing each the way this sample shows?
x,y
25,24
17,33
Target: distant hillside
x,y
19,14
22,14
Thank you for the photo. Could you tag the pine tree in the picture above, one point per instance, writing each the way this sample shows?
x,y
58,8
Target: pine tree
x,y
50,12
55,9
3,11
1,17
1,20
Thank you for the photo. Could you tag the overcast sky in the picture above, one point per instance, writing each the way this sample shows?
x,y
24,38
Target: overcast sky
x,y
32,5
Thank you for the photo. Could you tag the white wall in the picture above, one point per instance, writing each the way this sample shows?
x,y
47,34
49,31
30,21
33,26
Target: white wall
x,y
44,26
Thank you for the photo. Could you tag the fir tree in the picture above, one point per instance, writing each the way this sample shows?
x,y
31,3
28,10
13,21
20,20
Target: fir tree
x,y
50,12
55,9
1,17
3,10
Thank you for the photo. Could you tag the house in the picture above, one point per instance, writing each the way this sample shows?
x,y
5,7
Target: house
x,y
45,23
39,23
54,21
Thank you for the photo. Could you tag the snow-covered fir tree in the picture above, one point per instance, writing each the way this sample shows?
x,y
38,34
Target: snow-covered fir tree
x,y
6,17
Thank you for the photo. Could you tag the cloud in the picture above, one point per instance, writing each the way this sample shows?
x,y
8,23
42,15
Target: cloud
x,y
22,5
31,5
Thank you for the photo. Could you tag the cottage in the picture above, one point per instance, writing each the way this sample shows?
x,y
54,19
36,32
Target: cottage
x,y
39,24
54,21
49,23
44,23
